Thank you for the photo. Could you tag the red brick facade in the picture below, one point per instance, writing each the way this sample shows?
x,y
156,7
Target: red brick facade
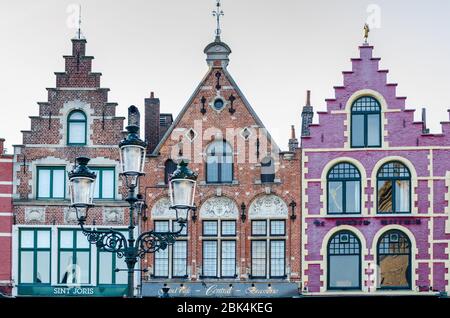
x,y
6,219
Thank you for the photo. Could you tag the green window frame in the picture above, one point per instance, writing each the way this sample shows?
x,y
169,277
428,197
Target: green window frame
x,y
71,121
51,189
35,250
80,246
342,176
397,175
116,278
100,179
363,111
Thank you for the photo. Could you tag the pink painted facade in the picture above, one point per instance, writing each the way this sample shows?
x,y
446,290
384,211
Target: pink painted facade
x,y
6,219
425,155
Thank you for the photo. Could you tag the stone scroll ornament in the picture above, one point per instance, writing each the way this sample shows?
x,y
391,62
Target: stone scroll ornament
x,y
219,207
268,206
161,209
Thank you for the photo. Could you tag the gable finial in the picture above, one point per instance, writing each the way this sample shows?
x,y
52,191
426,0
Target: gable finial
x,y
218,13
366,33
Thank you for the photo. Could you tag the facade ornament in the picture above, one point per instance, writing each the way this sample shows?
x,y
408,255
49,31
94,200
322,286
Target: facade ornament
x,y
34,214
219,207
268,206
70,215
113,215
161,209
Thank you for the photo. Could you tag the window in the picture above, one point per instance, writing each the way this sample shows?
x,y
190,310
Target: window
x,y
394,261
219,250
105,183
172,261
344,261
267,170
219,162
107,262
366,123
51,183
344,189
34,256
169,167
218,104
76,128
74,258
394,188
268,249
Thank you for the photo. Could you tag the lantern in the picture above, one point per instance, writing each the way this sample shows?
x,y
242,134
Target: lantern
x,y
81,187
182,191
132,156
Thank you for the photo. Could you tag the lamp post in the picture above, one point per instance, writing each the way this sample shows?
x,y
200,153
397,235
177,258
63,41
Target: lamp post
x,y
132,159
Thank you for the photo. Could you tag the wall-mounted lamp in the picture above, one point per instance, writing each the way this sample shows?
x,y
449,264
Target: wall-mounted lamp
x,y
293,204
194,215
243,215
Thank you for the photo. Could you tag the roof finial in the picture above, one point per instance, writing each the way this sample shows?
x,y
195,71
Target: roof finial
x,y
366,33
218,13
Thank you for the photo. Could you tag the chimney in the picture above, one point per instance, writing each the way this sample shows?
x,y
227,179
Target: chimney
x,y
307,115
293,141
2,146
425,130
152,114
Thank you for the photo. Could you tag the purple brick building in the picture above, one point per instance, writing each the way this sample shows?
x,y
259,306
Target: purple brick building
x,y
375,191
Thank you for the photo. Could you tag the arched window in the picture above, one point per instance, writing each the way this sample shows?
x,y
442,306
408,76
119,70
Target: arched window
x,y
394,188
344,189
267,170
394,260
366,123
76,128
344,261
219,162
169,167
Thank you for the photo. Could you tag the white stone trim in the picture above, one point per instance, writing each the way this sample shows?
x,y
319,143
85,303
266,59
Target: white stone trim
x,y
6,182
5,234
5,195
70,106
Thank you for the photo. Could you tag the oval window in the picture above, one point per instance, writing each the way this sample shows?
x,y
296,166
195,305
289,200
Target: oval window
x,y
218,104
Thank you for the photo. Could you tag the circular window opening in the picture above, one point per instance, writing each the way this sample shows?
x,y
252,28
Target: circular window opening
x,y
218,104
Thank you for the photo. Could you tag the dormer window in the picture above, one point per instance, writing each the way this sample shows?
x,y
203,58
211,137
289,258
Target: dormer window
x,y
366,123
76,128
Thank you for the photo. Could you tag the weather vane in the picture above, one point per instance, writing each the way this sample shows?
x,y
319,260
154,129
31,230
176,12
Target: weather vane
x,y
366,32
218,13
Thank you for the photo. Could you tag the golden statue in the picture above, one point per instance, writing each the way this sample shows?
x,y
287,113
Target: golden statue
x,y
366,32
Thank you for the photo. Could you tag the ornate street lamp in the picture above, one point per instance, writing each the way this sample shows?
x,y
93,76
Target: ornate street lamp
x,y
132,157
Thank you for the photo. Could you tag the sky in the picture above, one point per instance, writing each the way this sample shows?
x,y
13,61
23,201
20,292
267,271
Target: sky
x,y
281,48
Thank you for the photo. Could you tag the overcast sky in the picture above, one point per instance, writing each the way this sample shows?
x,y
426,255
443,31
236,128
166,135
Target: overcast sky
x,y
281,48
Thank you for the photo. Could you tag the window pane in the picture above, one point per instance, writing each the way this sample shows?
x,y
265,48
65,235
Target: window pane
x,y
108,184
228,228
176,227
122,276
77,133
357,130
27,239
66,239
277,228
43,267
259,227
210,258
373,130
83,267
335,196
277,251
43,239
161,263
212,169
161,226
402,196
179,259
394,271
105,270
97,184
227,171
259,258
353,190
210,228
58,183
228,258
44,183
344,271
67,272
384,196
82,241
77,116
26,267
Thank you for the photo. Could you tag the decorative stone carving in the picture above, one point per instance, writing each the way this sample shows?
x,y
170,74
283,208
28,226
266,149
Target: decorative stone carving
x,y
219,207
267,206
35,214
161,209
113,215
70,215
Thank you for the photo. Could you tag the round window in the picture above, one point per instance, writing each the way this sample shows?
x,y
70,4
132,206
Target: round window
x,y
218,104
